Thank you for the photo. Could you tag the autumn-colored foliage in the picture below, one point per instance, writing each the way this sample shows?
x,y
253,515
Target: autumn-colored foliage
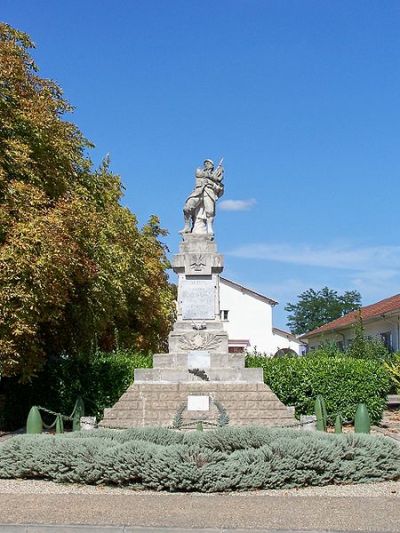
x,y
75,268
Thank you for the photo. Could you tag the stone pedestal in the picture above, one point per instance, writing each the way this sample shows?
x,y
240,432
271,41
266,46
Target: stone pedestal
x,y
198,375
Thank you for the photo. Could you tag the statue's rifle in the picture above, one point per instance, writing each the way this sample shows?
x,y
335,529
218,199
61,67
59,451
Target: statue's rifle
x,y
215,173
219,165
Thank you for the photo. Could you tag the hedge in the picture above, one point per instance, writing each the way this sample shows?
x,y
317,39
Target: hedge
x,y
99,378
343,382
221,460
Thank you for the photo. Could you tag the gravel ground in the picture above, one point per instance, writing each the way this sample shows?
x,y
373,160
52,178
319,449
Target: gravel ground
x,y
27,486
254,510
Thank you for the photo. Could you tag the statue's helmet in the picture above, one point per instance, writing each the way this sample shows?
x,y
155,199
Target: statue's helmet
x,y
208,161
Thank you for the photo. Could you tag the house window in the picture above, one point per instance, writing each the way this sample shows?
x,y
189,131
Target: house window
x,y
224,314
340,345
238,346
386,338
236,349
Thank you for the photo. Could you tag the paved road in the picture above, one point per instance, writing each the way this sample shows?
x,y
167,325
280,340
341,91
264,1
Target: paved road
x,y
189,511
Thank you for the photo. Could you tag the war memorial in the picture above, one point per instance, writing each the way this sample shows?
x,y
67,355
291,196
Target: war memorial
x,y
198,380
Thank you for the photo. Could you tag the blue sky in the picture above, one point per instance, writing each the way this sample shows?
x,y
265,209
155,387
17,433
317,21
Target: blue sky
x,y
301,98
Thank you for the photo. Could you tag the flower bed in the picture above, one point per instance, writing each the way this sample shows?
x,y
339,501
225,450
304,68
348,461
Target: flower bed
x,y
220,460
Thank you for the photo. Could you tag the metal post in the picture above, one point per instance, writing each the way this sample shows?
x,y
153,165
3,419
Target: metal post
x,y
338,423
320,413
34,422
79,410
362,423
59,424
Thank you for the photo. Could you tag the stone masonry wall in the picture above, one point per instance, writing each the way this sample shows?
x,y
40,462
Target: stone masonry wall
x,y
156,405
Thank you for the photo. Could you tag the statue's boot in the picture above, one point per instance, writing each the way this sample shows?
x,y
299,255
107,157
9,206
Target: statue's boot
x,y
210,228
187,228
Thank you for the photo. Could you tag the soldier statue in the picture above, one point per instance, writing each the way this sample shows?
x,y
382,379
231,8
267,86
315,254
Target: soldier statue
x,y
199,208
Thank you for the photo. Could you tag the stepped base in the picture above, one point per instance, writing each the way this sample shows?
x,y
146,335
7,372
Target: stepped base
x,y
194,360
176,375
156,404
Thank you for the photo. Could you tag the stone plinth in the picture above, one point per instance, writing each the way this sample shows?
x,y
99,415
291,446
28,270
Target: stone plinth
x,y
155,404
198,373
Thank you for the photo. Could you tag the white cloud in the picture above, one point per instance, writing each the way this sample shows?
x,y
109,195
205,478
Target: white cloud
x,y
237,205
372,270
367,258
375,284
282,291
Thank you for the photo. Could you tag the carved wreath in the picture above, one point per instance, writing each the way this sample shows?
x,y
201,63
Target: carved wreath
x,y
222,420
199,341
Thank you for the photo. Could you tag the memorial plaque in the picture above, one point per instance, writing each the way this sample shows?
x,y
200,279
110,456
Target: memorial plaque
x,y
198,403
198,359
197,299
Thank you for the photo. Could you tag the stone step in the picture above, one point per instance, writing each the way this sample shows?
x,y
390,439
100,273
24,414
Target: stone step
x,y
156,404
139,391
270,406
194,359
224,375
168,416
393,400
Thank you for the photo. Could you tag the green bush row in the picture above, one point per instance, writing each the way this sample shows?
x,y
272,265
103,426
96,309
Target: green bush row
x,y
100,379
220,460
343,382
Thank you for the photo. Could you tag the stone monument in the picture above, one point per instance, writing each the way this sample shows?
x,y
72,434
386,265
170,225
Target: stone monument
x,y
198,380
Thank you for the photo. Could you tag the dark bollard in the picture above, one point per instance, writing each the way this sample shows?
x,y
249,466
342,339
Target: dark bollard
x,y
320,413
338,424
59,424
324,411
79,410
362,423
34,422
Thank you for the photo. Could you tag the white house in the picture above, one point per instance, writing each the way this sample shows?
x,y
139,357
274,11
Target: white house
x,y
380,320
247,317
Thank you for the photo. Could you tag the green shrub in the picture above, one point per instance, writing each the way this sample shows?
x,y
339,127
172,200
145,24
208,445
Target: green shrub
x,y
220,460
367,348
342,381
393,369
100,379
326,349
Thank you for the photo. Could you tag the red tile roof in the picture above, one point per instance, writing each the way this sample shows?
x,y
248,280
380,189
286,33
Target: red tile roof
x,y
387,305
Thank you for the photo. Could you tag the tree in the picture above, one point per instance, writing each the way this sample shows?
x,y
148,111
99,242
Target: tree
x,y
315,308
75,268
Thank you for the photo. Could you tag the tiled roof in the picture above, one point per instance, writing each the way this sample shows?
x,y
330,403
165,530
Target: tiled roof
x,y
387,305
248,291
286,334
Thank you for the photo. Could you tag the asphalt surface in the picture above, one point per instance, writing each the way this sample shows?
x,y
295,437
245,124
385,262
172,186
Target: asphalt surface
x,y
215,512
